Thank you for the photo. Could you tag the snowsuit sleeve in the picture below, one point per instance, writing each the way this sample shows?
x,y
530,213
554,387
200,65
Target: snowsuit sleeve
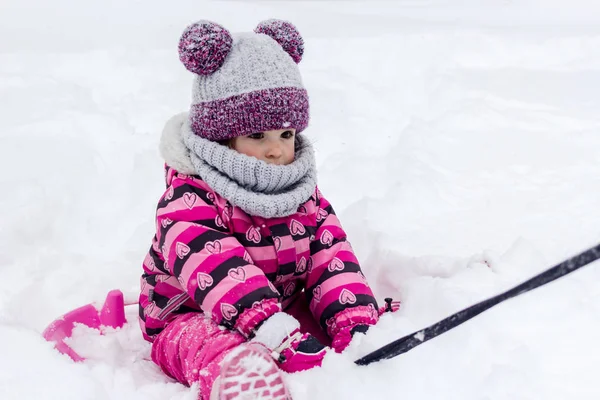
x,y
337,291
208,261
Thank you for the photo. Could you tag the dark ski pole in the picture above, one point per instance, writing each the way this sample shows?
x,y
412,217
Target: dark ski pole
x,y
412,340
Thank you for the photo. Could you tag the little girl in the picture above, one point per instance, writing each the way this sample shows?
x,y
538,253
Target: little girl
x,y
249,273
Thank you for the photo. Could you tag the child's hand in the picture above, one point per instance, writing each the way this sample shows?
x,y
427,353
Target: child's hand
x,y
293,350
345,335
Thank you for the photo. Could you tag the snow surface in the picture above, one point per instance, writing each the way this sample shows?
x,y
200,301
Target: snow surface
x,y
458,141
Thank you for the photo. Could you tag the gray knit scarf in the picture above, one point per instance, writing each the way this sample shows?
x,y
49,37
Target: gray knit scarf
x,y
258,188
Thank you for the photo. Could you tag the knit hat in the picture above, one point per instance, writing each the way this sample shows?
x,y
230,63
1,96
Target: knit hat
x,y
247,82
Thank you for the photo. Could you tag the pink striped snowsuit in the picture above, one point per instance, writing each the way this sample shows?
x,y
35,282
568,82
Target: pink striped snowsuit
x,y
208,256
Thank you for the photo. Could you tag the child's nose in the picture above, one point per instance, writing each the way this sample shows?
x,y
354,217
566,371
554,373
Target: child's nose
x,y
274,150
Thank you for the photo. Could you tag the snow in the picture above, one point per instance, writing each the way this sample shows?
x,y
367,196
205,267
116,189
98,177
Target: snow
x,y
457,140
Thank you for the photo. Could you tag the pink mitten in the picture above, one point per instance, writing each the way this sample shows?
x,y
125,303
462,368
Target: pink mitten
x,y
344,336
358,319
291,349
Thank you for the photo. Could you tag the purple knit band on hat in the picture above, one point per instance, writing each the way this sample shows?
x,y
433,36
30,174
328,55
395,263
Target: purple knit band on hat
x,y
252,112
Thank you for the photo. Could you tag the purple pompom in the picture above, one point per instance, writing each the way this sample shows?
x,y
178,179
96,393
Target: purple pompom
x,y
204,46
285,34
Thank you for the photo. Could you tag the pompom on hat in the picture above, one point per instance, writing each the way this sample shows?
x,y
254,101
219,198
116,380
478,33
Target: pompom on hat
x,y
245,83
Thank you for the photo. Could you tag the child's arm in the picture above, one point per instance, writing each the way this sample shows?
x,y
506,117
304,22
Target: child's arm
x,y
337,291
210,264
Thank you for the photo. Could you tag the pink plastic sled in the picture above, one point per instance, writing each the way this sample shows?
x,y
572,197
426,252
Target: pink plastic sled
x,y
112,314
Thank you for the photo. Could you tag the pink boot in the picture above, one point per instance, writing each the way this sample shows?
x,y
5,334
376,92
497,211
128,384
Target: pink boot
x,y
249,372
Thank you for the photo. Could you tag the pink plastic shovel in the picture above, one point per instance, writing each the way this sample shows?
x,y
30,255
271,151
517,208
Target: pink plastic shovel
x,y
112,314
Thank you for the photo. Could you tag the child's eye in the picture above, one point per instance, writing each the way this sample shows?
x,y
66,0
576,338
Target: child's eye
x,y
258,135
287,135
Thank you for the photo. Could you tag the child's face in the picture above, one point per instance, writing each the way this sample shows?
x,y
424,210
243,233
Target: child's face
x,y
274,147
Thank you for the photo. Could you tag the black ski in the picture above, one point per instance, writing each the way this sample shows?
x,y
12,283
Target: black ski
x,y
412,340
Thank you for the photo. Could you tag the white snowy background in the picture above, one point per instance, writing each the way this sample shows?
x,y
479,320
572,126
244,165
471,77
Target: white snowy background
x,y
459,142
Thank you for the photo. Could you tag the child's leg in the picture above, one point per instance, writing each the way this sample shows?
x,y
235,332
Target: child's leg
x,y
191,348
